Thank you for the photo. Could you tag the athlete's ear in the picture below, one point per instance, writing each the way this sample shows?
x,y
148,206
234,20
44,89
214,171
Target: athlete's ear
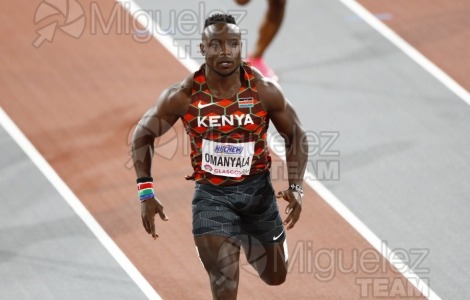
x,y
201,47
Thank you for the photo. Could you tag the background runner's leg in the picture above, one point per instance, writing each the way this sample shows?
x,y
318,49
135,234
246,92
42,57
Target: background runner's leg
x,y
220,256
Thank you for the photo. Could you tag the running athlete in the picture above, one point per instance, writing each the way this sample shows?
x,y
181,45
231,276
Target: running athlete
x,y
226,107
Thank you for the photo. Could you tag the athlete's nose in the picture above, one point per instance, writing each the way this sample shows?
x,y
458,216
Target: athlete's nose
x,y
226,49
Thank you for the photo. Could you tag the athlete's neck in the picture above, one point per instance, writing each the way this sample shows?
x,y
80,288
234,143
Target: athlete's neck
x,y
223,85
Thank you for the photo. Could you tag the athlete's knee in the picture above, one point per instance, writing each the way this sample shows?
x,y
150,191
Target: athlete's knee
x,y
278,4
242,2
223,271
220,258
276,9
275,278
226,265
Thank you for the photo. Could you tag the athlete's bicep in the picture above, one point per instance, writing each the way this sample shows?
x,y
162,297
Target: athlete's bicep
x,y
163,115
280,110
286,120
156,121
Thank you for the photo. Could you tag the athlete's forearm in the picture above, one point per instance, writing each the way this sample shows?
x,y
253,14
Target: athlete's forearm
x,y
142,151
296,156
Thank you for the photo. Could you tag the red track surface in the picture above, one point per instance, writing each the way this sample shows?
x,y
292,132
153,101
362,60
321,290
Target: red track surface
x,y
438,29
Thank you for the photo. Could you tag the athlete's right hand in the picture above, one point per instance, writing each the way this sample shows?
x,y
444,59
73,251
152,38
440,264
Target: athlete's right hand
x,y
149,208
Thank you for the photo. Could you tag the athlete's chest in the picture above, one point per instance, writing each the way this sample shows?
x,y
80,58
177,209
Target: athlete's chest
x,y
243,112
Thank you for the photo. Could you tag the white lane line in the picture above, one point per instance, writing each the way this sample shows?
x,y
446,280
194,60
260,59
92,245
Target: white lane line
x,y
154,28
360,227
409,50
76,205
191,65
370,236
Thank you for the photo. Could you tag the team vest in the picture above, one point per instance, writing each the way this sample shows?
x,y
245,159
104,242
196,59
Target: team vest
x,y
228,136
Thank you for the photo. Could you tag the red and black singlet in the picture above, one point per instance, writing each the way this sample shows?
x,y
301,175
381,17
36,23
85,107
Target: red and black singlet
x,y
228,136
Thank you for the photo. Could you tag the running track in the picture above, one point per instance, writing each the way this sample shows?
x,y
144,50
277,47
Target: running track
x,y
76,100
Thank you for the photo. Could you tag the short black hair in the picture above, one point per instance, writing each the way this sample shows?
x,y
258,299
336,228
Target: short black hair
x,y
219,18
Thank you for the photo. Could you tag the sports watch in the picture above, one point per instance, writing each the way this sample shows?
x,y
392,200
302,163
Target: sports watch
x,y
297,188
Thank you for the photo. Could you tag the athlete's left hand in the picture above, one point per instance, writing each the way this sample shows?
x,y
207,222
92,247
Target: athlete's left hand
x,y
294,207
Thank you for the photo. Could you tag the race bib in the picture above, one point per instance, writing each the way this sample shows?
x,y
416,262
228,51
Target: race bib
x,y
227,159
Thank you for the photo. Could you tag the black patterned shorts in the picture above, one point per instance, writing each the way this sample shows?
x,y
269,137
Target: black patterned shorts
x,y
248,209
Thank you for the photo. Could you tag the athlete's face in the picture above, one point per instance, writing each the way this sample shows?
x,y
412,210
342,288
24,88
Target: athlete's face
x,y
221,47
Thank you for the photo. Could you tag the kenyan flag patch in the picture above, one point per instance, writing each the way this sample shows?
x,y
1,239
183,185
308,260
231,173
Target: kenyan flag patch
x,y
246,102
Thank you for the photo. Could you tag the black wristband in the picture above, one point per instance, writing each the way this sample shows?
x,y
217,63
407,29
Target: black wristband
x,y
144,179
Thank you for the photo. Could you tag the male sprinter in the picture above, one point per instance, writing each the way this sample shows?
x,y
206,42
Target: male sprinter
x,y
226,107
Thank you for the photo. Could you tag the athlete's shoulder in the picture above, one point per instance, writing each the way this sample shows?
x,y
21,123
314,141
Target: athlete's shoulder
x,y
176,98
264,83
269,91
179,90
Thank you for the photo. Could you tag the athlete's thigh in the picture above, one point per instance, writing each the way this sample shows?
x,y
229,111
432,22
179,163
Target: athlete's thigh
x,y
264,235
215,228
261,220
212,214
216,251
276,258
